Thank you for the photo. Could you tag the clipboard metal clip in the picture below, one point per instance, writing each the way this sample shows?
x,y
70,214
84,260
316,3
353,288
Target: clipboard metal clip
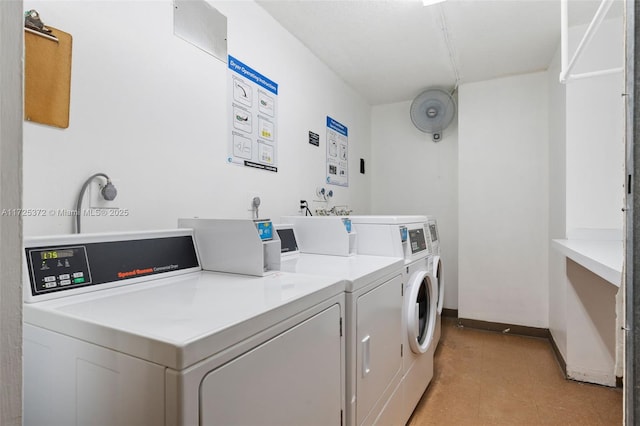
x,y
34,25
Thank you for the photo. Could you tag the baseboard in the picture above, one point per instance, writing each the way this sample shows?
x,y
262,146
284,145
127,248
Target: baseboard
x,y
450,313
558,354
505,328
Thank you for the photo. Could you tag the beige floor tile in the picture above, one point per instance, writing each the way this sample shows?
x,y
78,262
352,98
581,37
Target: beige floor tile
x,y
496,409
608,403
452,404
545,369
507,387
487,378
554,416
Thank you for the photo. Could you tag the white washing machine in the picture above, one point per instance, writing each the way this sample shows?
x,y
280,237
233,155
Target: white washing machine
x,y
373,312
124,329
406,236
436,268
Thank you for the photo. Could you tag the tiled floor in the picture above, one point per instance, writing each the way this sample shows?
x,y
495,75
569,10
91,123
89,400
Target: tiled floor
x,y
488,378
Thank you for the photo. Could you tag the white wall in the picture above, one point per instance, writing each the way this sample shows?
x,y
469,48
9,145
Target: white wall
x,y
410,174
591,326
503,200
10,225
595,128
557,204
150,110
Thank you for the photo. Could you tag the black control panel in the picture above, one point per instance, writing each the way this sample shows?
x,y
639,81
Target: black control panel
x,y
57,268
418,242
434,232
287,240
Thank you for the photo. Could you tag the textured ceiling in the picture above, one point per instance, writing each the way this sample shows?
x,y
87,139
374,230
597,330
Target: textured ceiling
x,y
390,51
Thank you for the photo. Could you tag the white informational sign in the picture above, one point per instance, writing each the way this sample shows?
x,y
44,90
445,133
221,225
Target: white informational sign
x,y
253,138
337,153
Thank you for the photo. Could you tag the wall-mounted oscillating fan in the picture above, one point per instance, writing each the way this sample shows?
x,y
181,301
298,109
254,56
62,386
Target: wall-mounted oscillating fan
x,y
432,111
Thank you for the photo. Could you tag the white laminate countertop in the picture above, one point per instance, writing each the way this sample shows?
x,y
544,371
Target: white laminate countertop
x,y
602,257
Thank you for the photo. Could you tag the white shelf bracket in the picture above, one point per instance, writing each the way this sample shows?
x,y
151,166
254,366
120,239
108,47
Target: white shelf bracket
x,y
567,66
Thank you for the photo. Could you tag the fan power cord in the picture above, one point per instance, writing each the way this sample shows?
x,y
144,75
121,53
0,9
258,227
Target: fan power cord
x,y
108,192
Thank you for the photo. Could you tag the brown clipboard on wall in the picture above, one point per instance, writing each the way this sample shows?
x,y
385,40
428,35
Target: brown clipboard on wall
x,y
47,69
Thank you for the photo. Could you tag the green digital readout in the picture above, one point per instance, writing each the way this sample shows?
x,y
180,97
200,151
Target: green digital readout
x,y
56,254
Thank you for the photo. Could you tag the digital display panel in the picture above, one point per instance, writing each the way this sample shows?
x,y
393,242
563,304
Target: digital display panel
x,y
403,233
434,232
58,268
56,254
288,241
265,230
418,242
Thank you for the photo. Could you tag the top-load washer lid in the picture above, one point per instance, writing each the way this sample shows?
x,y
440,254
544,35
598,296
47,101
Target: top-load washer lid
x,y
179,321
170,318
358,271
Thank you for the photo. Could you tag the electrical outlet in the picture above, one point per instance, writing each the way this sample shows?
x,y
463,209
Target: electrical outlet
x,y
96,201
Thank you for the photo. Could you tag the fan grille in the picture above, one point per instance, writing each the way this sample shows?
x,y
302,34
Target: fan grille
x,y
433,111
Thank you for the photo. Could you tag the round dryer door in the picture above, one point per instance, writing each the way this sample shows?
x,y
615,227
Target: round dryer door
x,y
421,312
439,277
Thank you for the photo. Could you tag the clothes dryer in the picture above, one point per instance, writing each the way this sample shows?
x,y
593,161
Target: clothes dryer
x,y
374,303
406,236
438,273
128,329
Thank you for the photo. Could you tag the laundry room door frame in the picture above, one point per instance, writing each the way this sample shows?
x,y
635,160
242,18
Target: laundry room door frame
x,y
11,46
632,208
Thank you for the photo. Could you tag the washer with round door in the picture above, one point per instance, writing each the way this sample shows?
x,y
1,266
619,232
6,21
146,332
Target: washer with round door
x,y
419,317
406,237
437,271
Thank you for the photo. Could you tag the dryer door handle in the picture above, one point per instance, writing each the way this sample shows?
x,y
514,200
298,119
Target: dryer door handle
x,y
366,355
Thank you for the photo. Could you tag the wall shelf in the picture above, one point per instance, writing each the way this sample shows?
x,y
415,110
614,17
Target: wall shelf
x,y
602,257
